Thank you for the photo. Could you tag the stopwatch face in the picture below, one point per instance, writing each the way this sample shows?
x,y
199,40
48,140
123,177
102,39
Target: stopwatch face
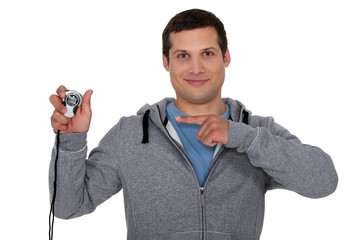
x,y
72,100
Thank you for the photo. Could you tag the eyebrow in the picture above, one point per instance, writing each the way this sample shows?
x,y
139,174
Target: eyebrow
x,y
179,51
210,48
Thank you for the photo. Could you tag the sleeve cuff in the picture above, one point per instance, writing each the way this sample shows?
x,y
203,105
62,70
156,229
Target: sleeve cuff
x,y
241,136
72,142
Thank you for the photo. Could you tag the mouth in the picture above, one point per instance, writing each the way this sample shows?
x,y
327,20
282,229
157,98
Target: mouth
x,y
196,82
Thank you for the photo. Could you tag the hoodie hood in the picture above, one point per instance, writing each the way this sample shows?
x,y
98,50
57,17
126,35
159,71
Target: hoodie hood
x,y
157,114
236,109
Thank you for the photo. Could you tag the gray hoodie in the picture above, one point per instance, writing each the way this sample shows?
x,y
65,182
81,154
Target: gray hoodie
x,y
163,198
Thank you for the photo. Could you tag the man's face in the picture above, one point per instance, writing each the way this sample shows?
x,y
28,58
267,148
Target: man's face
x,y
196,65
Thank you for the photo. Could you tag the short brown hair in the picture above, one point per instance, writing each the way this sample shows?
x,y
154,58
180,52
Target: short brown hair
x,y
192,19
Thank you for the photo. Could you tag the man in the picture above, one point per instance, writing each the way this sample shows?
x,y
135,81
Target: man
x,y
197,167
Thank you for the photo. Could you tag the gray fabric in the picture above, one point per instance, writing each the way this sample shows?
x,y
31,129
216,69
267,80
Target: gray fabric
x,y
161,191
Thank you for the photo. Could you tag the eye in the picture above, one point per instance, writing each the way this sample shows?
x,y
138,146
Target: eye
x,y
183,55
208,54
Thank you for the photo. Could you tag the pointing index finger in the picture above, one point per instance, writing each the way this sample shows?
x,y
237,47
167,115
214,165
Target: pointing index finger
x,y
61,91
192,119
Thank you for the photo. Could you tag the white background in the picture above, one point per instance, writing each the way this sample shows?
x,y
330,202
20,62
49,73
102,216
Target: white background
x,y
297,61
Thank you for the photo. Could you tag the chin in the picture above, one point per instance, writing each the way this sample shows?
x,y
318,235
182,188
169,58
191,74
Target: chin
x,y
198,96
199,99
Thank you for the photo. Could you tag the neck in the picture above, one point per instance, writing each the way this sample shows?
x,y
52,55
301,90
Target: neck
x,y
216,106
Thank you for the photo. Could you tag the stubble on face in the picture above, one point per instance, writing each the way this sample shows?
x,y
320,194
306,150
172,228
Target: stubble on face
x,y
196,66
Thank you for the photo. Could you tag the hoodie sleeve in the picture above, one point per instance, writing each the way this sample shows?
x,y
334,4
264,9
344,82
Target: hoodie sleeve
x,y
287,162
83,184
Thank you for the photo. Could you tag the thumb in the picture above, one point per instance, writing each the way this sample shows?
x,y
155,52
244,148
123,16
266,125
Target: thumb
x,y
87,97
86,105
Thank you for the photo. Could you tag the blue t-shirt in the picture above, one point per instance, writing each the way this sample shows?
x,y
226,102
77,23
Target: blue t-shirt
x,y
199,154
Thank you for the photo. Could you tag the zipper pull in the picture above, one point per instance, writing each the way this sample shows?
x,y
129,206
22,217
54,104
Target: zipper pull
x,y
202,196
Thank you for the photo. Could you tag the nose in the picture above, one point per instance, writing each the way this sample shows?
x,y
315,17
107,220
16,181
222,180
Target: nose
x,y
196,66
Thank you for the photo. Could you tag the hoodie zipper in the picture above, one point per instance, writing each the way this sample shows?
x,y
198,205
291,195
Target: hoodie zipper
x,y
202,189
202,196
202,212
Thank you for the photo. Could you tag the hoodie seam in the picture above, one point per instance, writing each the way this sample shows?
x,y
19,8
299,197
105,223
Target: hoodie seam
x,y
72,175
257,220
253,142
125,186
72,152
74,187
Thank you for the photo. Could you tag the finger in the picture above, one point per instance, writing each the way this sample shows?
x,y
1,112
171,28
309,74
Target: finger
x,y
192,119
211,144
86,104
204,129
211,124
209,139
87,98
56,102
59,117
61,91
213,131
60,127
204,134
57,125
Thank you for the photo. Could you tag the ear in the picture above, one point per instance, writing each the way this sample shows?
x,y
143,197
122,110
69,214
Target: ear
x,y
227,58
165,62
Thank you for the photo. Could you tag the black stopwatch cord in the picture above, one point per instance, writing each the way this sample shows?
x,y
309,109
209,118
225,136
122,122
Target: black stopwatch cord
x,y
52,207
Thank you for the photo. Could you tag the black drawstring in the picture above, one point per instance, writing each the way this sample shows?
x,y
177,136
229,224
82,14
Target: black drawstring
x,y
245,117
52,206
146,127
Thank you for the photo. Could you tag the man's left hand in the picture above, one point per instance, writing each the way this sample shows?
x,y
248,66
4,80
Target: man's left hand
x,y
214,129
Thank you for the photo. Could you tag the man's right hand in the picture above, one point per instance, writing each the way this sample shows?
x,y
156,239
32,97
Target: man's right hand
x,y
79,123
